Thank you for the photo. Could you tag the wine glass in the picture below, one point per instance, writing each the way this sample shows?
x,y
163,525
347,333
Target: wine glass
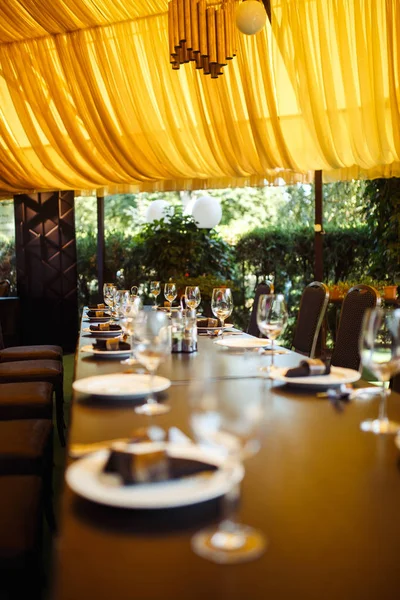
x,y
222,305
192,296
170,293
271,318
226,425
380,353
120,297
155,289
152,337
134,292
109,291
129,317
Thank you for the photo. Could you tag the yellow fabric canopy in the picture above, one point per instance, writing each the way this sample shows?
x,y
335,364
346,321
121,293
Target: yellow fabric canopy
x,y
88,98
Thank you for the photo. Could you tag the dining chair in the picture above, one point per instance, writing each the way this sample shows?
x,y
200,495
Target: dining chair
x,y
262,288
26,448
346,351
36,365
312,310
21,571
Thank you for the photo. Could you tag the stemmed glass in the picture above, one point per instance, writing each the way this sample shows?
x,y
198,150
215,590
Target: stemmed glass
x,y
129,316
152,345
225,424
155,289
192,296
134,292
222,305
271,318
170,293
380,353
109,290
120,297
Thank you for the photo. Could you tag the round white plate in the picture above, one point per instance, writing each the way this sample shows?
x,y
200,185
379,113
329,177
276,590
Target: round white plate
x,y
102,333
227,326
243,342
337,376
86,478
105,353
121,385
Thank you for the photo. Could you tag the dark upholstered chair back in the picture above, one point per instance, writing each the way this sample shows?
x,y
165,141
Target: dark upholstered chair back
x,y
313,305
252,329
346,351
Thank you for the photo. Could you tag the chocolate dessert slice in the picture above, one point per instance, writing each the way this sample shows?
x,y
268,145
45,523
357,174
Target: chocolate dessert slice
x,y
105,327
111,344
152,466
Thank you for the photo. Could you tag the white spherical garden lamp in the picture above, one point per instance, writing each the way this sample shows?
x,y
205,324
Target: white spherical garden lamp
x,y
207,212
251,17
159,209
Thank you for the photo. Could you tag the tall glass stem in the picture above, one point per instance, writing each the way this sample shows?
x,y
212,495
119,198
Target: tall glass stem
x,y
150,398
229,534
132,351
272,355
222,325
383,404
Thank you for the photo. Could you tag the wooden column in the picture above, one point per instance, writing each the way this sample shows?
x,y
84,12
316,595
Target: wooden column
x,y
318,229
101,246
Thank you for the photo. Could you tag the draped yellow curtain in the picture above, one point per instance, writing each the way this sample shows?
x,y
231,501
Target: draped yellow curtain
x,y
88,98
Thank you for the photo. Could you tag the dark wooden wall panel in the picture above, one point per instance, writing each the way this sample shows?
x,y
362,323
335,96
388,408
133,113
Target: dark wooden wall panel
x,y
47,268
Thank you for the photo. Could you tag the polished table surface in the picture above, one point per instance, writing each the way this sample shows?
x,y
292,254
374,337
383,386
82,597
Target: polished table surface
x,y
326,494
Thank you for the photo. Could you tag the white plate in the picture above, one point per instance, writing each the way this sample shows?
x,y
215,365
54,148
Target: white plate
x,y
227,326
102,333
105,353
337,376
86,478
121,385
243,342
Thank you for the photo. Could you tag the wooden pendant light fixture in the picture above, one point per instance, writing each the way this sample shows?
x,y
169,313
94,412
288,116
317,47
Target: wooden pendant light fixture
x,y
201,33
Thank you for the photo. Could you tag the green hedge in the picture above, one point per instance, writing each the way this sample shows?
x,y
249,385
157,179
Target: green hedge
x,y
181,251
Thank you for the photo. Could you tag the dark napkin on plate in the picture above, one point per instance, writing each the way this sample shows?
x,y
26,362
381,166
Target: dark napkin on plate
x,y
152,466
111,344
97,313
310,366
105,327
96,306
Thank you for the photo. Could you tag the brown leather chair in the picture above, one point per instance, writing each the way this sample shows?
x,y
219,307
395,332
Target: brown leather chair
x,y
28,400
26,448
358,299
48,371
262,288
20,537
36,364
39,352
313,305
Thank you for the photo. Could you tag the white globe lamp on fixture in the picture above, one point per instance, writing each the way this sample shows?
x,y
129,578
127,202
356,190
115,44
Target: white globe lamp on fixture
x,y
159,209
207,212
251,17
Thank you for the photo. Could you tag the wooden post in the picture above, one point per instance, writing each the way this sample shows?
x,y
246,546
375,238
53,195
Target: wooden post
x,y
318,229
101,247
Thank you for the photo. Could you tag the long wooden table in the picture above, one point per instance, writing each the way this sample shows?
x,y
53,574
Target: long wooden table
x,y
326,494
